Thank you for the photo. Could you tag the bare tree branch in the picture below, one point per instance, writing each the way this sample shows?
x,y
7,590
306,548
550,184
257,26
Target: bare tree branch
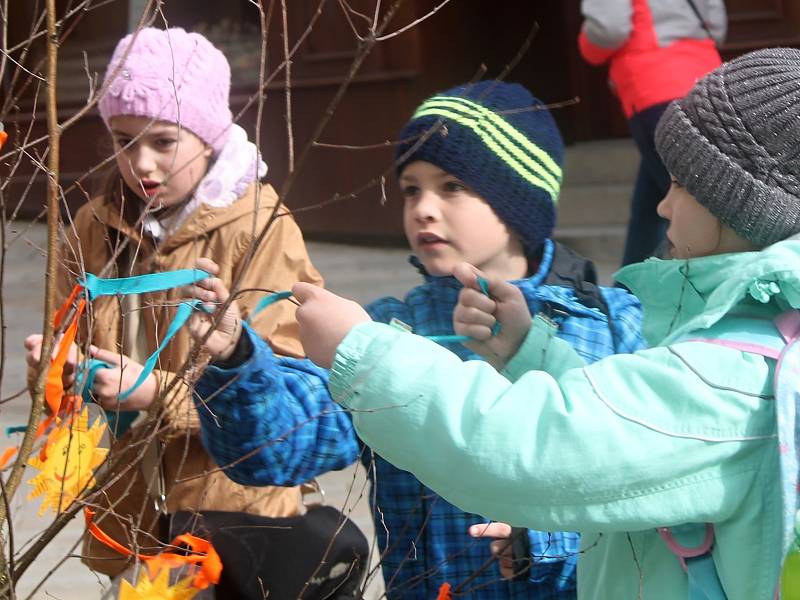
x,y
54,139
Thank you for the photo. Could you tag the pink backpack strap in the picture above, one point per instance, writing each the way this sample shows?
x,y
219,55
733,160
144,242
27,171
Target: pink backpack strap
x,y
684,552
788,325
742,346
704,579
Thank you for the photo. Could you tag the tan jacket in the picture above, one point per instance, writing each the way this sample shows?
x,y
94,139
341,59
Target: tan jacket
x,y
225,235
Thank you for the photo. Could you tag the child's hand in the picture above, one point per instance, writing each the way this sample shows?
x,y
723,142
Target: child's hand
x,y
325,319
33,354
109,383
476,314
501,546
222,342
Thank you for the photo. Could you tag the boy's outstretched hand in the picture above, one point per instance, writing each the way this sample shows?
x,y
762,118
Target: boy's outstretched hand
x,y
501,548
475,315
325,319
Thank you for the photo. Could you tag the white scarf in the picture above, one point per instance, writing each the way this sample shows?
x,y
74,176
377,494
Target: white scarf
x,y
238,165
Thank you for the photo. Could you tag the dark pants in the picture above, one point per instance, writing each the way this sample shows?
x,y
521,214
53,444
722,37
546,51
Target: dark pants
x,y
646,229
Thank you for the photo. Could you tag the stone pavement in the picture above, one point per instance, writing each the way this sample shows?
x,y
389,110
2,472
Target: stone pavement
x,y
361,273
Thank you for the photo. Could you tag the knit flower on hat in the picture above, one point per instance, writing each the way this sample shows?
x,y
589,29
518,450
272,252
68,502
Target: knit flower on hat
x,y
128,86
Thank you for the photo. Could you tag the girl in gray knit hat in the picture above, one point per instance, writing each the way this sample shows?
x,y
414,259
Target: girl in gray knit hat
x,y
678,464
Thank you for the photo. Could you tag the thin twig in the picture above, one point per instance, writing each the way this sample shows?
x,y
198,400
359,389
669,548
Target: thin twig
x,y
523,49
346,10
54,138
414,23
109,80
288,87
10,562
4,16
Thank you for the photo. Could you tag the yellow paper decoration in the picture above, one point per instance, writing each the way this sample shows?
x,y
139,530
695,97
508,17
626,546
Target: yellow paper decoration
x,y
72,457
158,588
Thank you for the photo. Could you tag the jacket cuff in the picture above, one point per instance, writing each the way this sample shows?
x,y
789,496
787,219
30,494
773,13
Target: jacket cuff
x,y
350,353
531,353
180,415
591,52
243,357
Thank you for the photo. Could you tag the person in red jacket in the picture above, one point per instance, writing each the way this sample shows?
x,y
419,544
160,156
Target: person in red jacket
x,y
656,50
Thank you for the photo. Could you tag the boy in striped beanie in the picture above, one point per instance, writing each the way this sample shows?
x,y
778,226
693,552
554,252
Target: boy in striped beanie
x,y
479,167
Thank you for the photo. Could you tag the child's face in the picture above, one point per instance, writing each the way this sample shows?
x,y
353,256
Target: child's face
x,y
693,231
164,164
447,223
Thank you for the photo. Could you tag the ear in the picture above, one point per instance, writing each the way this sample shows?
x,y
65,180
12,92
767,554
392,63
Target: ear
x,y
208,152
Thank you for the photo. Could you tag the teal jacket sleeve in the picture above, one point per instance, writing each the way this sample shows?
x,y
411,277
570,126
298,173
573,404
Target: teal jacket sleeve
x,y
541,350
631,442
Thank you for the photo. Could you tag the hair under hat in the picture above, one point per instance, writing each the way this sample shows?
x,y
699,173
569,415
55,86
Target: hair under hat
x,y
502,142
174,76
734,141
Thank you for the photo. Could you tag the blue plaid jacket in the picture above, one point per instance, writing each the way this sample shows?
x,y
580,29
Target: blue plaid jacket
x,y
277,413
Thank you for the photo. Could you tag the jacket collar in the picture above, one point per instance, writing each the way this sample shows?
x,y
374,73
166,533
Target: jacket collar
x,y
681,296
534,280
202,221
564,278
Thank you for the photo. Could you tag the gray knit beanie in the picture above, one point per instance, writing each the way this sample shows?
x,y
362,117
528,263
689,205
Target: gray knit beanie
x,y
734,143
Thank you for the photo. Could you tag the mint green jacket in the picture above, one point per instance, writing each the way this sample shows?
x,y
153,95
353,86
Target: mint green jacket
x,y
681,433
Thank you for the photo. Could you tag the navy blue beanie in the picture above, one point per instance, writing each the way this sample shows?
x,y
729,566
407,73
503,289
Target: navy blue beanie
x,y
499,140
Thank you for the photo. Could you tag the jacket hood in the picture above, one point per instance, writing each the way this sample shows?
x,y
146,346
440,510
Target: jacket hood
x,y
546,262
681,296
564,278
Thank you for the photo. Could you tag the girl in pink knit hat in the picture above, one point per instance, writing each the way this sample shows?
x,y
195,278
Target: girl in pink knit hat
x,y
186,185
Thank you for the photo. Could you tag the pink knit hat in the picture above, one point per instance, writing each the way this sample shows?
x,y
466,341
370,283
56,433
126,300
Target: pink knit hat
x,y
172,76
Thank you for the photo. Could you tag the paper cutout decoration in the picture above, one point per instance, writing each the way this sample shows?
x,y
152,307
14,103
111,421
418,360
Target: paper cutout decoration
x,y
158,589
72,455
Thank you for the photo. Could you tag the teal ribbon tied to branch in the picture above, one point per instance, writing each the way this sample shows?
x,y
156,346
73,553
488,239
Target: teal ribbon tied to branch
x,y
96,287
141,284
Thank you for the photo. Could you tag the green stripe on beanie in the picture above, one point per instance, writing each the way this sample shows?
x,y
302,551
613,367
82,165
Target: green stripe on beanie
x,y
505,131
526,168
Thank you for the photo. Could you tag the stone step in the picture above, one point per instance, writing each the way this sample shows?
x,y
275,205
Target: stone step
x,y
598,182
602,161
594,204
603,245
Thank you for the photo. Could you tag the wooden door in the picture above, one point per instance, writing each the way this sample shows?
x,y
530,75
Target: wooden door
x,y
445,50
761,24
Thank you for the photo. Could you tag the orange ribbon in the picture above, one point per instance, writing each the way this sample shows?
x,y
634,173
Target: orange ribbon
x,y
202,554
43,426
62,311
54,387
445,592
57,402
6,456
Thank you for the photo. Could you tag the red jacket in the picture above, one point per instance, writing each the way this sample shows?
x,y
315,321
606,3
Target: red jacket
x,y
657,49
